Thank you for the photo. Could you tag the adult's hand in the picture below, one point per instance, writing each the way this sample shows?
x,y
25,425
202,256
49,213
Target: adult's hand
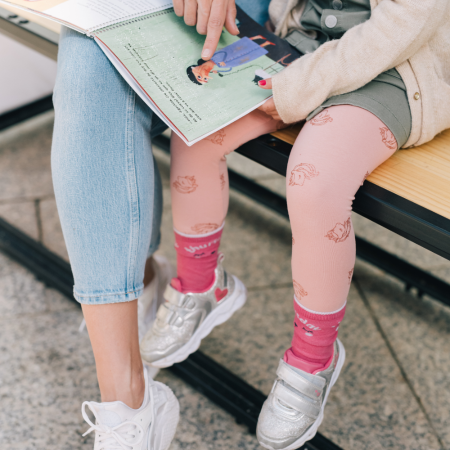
x,y
269,106
210,16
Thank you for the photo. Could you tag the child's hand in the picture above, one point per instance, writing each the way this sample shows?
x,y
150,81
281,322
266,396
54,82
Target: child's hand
x,y
268,107
210,16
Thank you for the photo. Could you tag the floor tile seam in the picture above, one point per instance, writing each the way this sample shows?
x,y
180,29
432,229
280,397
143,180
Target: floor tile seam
x,y
397,361
14,200
38,214
5,317
288,284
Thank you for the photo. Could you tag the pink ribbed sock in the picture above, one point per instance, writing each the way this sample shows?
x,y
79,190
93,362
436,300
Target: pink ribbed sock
x,y
314,336
196,260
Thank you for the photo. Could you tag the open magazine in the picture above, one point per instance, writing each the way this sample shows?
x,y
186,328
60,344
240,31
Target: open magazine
x,y
158,55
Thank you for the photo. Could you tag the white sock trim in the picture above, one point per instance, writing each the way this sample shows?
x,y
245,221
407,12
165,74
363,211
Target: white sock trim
x,y
199,235
317,312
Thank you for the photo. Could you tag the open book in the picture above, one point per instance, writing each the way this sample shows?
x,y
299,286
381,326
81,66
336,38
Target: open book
x,y
87,16
158,55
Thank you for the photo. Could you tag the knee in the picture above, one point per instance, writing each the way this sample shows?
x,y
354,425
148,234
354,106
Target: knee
x,y
305,185
84,76
312,192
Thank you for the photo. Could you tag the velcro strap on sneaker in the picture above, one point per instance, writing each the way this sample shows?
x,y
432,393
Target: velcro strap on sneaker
x,y
295,401
299,382
173,296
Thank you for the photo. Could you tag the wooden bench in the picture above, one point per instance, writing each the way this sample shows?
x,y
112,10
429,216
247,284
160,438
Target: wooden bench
x,y
409,194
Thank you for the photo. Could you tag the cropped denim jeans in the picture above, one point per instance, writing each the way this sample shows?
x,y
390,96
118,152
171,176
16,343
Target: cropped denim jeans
x,y
107,185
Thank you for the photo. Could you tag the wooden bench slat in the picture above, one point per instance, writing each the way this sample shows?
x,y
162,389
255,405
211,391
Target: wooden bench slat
x,y
421,174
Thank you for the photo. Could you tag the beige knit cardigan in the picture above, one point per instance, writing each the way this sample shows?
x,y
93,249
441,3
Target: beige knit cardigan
x,y
411,35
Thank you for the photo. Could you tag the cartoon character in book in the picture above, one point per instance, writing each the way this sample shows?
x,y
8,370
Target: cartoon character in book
x,y
227,58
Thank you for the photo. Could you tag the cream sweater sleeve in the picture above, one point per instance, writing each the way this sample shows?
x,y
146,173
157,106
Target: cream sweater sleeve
x,y
395,31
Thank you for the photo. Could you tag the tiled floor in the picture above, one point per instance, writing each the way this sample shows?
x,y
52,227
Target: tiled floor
x,y
394,392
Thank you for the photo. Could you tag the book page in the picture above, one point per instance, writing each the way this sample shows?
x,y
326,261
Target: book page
x,y
94,14
161,53
89,15
36,5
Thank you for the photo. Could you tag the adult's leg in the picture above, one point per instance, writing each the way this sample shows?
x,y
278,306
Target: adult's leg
x,y
104,180
330,159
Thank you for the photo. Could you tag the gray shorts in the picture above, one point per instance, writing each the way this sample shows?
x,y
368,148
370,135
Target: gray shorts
x,y
385,97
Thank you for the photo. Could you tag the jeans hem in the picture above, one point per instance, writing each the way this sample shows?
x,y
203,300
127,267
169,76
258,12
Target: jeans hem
x,y
104,299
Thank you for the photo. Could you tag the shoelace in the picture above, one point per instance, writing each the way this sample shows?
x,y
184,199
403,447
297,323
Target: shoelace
x,y
121,437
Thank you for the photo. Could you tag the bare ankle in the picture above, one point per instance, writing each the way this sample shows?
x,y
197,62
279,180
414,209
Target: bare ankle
x,y
130,390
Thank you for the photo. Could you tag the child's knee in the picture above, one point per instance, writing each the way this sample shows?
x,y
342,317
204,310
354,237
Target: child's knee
x,y
311,194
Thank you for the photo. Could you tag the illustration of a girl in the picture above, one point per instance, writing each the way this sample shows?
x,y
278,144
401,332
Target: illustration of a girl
x,y
234,55
374,79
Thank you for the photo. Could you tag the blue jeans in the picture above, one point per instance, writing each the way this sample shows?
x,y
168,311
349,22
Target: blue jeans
x,y
107,185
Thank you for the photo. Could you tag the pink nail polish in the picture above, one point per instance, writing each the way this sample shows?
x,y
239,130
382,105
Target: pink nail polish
x,y
262,82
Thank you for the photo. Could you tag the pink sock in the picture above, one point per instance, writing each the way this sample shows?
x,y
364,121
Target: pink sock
x,y
196,260
314,336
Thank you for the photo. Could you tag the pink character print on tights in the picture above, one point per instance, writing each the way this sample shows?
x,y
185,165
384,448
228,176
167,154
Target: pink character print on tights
x,y
185,185
350,274
388,138
299,291
203,228
302,172
217,138
322,118
222,182
340,232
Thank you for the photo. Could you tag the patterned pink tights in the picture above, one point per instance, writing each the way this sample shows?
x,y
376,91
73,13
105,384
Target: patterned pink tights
x,y
331,157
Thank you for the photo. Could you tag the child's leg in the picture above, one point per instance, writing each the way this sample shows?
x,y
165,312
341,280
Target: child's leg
x,y
329,161
199,187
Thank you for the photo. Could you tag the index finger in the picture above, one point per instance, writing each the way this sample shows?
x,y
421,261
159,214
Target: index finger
x,y
215,25
178,6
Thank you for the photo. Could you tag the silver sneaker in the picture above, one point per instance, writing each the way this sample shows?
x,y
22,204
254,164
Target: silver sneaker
x,y
185,319
294,409
153,296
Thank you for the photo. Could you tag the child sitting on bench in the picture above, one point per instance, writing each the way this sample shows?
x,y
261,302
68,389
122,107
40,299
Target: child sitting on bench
x,y
367,85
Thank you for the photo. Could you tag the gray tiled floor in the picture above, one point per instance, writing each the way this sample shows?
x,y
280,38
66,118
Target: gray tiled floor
x,y
394,392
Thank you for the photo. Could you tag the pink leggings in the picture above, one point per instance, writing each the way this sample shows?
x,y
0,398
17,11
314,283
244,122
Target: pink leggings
x,y
330,159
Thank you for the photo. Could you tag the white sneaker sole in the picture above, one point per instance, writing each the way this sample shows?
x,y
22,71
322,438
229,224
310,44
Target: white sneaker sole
x,y
220,315
311,432
166,421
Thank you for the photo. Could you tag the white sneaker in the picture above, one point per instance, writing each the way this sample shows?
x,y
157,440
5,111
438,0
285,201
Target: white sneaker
x,y
151,427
